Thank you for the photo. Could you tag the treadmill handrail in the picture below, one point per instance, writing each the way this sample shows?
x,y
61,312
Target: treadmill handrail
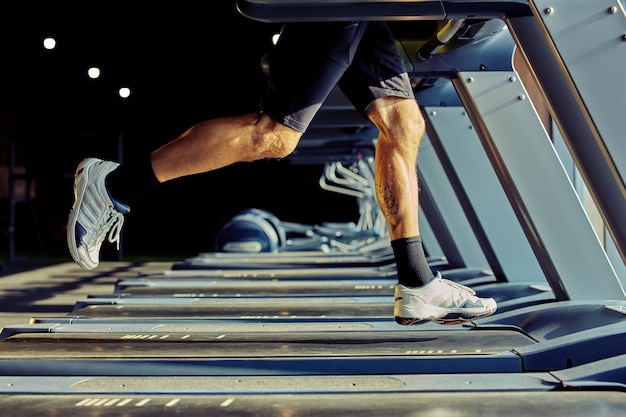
x,y
273,11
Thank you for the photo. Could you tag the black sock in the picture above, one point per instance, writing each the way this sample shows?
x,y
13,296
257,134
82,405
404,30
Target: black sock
x,y
413,268
127,182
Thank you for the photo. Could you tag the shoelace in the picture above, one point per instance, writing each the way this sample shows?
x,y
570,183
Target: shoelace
x,y
463,293
460,287
113,224
116,222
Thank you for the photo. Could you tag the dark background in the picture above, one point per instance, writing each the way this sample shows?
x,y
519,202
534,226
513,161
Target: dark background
x,y
184,62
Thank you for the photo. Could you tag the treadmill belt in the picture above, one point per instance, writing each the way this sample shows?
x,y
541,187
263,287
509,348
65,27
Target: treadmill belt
x,y
320,404
202,286
254,345
329,261
247,353
244,307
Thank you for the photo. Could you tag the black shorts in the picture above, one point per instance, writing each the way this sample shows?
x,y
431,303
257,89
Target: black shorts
x,y
311,58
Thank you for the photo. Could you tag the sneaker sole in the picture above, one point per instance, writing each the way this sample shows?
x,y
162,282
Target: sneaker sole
x,y
79,192
446,320
406,317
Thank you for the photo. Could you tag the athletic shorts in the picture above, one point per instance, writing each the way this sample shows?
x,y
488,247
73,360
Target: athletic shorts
x,y
311,58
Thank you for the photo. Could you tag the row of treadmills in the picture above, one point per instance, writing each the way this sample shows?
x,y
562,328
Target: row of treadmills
x,y
303,330
295,333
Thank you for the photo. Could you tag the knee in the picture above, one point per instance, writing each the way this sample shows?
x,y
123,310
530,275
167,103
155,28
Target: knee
x,y
396,113
279,144
275,141
398,118
412,121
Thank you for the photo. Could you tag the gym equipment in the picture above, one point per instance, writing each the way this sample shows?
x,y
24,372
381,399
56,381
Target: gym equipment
x,y
251,231
271,219
248,231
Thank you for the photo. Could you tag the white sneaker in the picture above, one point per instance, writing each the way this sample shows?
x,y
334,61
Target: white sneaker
x,y
94,213
442,301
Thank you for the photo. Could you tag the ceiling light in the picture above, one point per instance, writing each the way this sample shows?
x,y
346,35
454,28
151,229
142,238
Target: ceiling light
x,y
124,92
49,43
93,72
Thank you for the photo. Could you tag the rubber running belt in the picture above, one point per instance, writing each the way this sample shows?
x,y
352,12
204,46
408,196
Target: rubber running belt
x,y
270,261
530,402
467,276
259,287
235,307
216,353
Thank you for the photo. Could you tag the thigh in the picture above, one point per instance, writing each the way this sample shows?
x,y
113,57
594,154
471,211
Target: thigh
x,y
306,64
377,70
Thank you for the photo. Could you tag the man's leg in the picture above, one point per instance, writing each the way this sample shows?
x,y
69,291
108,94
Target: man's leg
x,y
401,128
303,71
378,86
96,215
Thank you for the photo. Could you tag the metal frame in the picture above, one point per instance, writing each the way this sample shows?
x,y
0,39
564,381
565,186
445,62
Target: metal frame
x,y
576,49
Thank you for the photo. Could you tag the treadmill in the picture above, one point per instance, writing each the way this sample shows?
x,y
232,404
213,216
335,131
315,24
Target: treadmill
x,y
263,352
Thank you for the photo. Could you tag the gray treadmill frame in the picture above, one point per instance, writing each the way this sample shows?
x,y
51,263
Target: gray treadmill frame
x,y
576,267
